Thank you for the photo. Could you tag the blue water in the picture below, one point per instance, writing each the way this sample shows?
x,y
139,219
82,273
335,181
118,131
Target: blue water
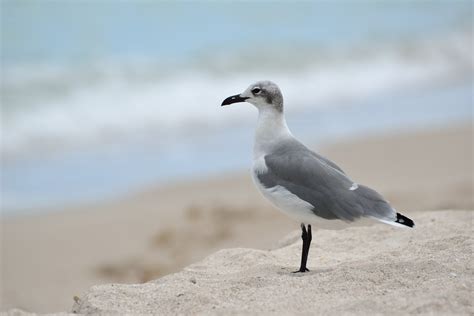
x,y
102,98
78,31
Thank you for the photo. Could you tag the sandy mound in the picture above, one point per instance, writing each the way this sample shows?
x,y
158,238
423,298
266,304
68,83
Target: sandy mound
x,y
360,270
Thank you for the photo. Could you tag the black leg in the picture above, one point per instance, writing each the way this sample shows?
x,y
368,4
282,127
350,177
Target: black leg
x,y
310,236
306,236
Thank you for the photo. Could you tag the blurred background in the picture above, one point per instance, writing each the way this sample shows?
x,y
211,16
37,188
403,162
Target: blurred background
x,y
99,98
110,115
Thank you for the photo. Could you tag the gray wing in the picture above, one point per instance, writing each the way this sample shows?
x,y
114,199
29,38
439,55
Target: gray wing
x,y
321,183
327,161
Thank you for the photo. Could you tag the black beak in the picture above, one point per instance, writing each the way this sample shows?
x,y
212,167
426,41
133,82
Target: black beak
x,y
233,99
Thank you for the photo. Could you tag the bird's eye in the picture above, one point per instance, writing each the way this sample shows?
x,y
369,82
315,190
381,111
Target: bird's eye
x,y
256,90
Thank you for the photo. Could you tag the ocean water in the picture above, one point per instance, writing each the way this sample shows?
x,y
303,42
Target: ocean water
x,y
100,99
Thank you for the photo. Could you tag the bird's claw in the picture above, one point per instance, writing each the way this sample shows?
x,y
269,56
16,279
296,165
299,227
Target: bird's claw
x,y
301,270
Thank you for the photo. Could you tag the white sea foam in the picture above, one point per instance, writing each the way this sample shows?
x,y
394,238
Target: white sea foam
x,y
55,107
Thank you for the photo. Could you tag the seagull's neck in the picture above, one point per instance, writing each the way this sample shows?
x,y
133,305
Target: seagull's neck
x,y
271,129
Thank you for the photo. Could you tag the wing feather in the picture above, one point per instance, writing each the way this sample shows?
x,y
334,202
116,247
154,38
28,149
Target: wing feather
x,y
323,184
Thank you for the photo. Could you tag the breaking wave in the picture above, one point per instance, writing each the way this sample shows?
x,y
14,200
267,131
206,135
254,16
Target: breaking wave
x,y
56,107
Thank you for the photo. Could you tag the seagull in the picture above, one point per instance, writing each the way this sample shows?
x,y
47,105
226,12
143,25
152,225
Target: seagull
x,y
304,185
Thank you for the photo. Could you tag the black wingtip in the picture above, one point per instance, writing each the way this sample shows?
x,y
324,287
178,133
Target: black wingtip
x,y
401,219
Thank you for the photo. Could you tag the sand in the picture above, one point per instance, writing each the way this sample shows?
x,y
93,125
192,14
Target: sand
x,y
48,259
360,271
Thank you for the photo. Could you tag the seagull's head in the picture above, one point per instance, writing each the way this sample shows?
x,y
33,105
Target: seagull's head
x,y
262,94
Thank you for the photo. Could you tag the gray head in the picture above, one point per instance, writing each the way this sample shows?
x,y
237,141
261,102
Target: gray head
x,y
262,94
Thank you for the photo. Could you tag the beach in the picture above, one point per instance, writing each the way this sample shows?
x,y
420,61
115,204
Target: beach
x,y
122,174
50,257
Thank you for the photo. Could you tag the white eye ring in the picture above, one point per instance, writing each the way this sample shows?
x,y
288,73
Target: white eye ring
x,y
256,90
